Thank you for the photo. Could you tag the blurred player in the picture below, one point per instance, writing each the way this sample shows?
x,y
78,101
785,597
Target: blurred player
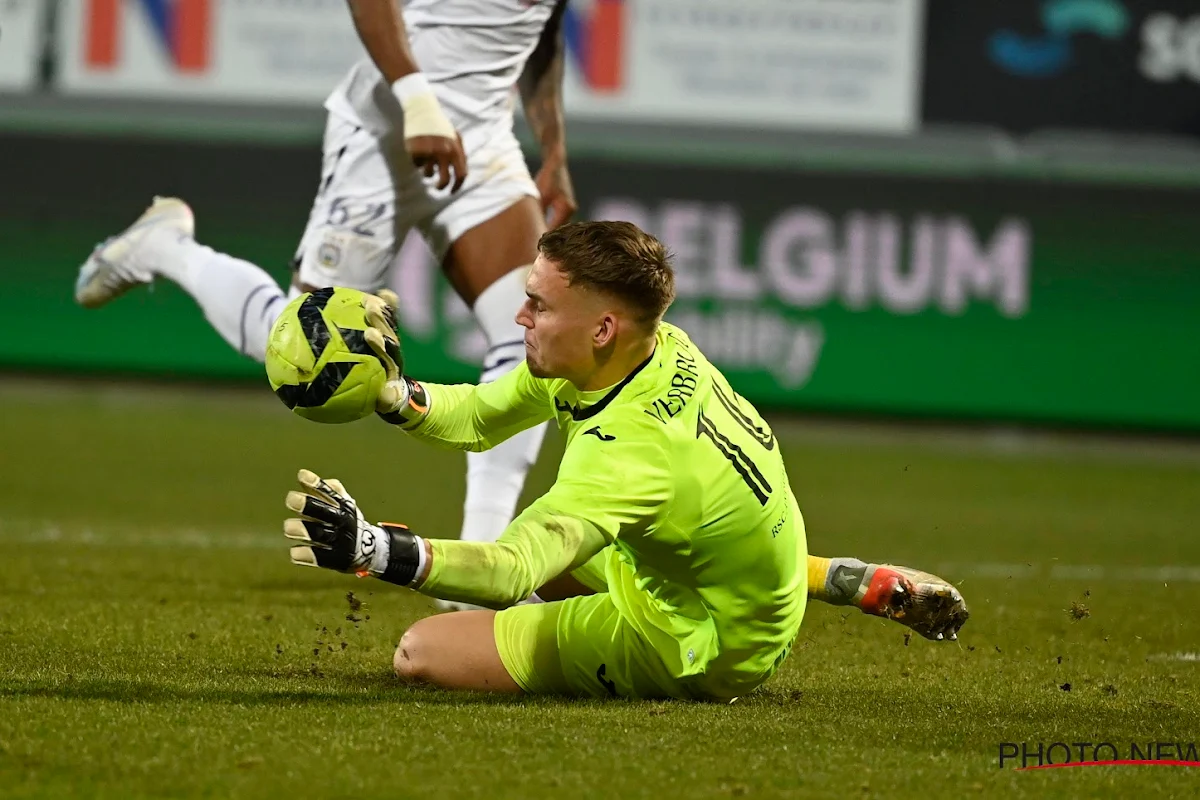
x,y
672,506
419,136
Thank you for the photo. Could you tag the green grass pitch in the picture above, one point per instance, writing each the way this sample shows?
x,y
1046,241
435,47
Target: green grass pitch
x,y
155,641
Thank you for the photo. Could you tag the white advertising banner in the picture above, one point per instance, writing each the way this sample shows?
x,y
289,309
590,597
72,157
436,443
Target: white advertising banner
x,y
813,64
805,64
20,38
221,50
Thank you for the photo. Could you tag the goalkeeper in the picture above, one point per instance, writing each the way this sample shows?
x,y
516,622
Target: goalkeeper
x,y
671,534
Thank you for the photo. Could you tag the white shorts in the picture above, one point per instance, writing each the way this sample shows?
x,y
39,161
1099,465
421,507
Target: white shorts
x,y
371,196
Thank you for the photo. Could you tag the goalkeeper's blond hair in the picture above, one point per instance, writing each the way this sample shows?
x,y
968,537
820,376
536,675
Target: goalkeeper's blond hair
x,y
617,258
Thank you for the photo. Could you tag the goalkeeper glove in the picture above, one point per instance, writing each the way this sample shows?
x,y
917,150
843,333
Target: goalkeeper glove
x,y
336,536
402,401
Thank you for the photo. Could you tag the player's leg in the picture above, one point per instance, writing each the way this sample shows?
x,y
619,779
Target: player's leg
x,y
487,266
577,647
240,300
926,603
349,241
486,238
454,651
492,250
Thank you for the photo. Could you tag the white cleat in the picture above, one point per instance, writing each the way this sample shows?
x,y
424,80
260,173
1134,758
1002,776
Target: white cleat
x,y
123,261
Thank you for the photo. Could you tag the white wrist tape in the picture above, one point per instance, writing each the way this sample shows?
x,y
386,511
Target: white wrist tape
x,y
383,551
403,393
423,115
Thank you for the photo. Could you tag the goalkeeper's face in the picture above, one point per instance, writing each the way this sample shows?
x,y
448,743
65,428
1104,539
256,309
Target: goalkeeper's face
x,y
569,330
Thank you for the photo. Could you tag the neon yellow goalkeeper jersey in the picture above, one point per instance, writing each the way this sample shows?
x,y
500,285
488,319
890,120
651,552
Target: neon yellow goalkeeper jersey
x,y
676,472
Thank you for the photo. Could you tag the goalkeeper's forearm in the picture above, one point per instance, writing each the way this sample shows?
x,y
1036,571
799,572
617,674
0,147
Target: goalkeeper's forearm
x,y
535,548
462,416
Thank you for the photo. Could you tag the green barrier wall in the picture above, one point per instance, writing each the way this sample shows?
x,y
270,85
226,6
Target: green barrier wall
x,y
980,299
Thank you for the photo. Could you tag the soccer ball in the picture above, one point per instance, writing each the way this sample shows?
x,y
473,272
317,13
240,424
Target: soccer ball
x,y
318,360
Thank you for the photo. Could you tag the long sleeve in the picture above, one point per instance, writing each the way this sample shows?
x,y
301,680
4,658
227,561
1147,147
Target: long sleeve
x,y
468,417
535,548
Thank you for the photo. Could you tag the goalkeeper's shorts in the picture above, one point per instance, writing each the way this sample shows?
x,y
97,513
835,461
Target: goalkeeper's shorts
x,y
583,647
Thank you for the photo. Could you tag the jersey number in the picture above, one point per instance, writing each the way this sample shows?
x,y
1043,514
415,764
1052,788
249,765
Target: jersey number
x,y
732,451
340,215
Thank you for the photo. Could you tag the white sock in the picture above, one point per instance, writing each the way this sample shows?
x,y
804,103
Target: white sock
x,y
495,477
241,301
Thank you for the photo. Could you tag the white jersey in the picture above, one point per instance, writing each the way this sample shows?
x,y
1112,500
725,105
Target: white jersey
x,y
471,51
